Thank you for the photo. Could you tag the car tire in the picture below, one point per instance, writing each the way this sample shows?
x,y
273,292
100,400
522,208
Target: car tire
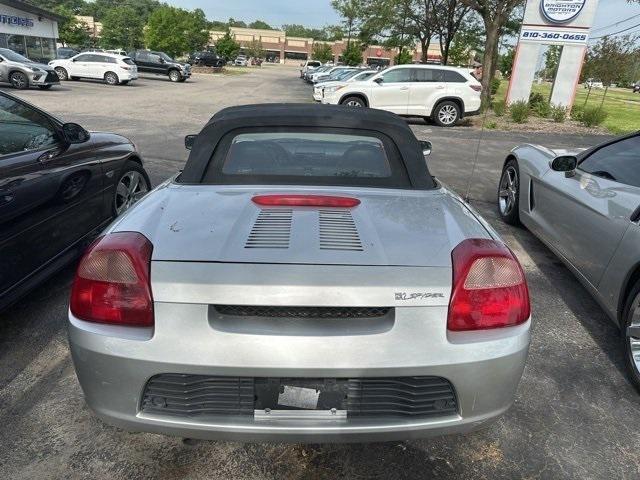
x,y
110,78
44,87
446,114
62,73
509,193
182,80
174,76
19,80
126,194
355,102
124,82
631,341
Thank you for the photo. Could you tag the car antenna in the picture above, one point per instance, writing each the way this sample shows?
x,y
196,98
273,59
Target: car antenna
x,y
475,158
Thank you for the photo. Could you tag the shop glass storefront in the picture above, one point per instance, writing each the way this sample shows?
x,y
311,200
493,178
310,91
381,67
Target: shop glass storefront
x,y
38,49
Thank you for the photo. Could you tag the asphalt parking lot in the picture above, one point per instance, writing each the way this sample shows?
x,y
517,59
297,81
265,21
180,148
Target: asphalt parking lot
x,y
574,415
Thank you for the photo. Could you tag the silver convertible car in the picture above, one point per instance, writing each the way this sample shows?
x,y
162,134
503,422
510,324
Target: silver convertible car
x,y
585,206
303,279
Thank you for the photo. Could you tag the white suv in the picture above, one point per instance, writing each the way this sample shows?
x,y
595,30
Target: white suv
x,y
444,94
112,68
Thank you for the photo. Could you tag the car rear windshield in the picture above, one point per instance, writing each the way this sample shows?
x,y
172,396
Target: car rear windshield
x,y
307,157
128,61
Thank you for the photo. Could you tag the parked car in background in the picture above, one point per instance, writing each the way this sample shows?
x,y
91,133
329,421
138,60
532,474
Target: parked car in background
x,y
241,61
307,75
66,52
332,86
636,88
59,186
207,59
585,206
332,74
118,51
442,94
159,63
592,83
309,66
113,69
22,73
304,278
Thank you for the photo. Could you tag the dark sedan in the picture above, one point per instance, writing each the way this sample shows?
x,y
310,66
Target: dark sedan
x,y
59,186
206,59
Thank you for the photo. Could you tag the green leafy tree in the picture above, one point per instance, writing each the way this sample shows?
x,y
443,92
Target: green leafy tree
x,y
236,23
260,25
551,61
295,30
74,6
70,31
469,39
322,52
176,31
122,28
352,55
352,13
227,46
449,15
255,49
505,62
404,57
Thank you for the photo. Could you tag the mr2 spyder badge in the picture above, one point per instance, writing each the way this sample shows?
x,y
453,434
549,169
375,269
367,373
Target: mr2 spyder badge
x,y
417,296
561,11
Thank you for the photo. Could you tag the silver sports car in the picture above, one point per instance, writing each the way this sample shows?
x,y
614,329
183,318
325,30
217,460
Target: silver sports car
x,y
303,279
585,205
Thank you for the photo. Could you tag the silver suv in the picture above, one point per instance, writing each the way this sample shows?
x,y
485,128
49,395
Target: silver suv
x,y
21,72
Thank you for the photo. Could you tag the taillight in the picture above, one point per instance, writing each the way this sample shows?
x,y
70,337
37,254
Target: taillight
x,y
477,88
489,287
112,283
305,201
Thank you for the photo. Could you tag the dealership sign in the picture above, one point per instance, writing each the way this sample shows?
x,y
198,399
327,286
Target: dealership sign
x,y
561,11
14,20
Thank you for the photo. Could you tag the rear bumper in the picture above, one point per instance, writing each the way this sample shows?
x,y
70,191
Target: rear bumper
x,y
114,364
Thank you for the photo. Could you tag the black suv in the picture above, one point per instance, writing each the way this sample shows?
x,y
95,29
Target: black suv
x,y
207,59
160,63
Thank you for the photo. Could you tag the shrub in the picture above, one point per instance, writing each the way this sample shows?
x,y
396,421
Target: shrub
x,y
577,112
558,113
499,108
542,109
519,111
536,98
491,126
593,116
495,85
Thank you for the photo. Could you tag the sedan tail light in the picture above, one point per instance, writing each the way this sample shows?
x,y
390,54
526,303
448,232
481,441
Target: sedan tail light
x,y
489,287
477,88
112,283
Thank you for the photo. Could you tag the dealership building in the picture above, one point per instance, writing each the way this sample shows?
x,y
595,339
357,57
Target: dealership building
x,y
281,48
28,30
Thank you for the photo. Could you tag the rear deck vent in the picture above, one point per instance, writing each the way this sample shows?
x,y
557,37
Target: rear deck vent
x,y
271,230
338,231
302,312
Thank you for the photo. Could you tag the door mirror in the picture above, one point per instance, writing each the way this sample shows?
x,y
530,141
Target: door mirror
x,y
74,133
426,147
566,164
189,140
379,80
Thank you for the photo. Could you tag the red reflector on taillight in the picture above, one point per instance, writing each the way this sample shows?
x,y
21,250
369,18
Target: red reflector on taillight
x,y
112,283
305,201
477,88
489,287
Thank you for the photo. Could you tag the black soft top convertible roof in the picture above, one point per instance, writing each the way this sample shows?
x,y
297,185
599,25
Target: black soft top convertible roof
x,y
307,116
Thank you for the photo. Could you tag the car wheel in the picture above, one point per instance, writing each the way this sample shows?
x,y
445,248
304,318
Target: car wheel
x,y
62,74
174,76
182,79
356,102
111,78
631,336
132,185
509,193
124,82
19,80
446,114
44,87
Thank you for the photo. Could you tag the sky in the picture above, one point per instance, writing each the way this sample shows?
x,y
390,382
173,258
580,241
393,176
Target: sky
x,y
318,13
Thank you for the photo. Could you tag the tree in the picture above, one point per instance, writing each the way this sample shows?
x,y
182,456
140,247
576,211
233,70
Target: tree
x,y
227,47
495,15
236,23
352,55
53,5
426,23
403,57
260,25
468,40
352,13
70,30
122,28
505,62
449,15
176,31
322,52
255,50
551,61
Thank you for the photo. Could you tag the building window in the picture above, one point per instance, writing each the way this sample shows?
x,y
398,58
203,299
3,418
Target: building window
x,y
295,55
34,48
16,43
48,49
3,40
